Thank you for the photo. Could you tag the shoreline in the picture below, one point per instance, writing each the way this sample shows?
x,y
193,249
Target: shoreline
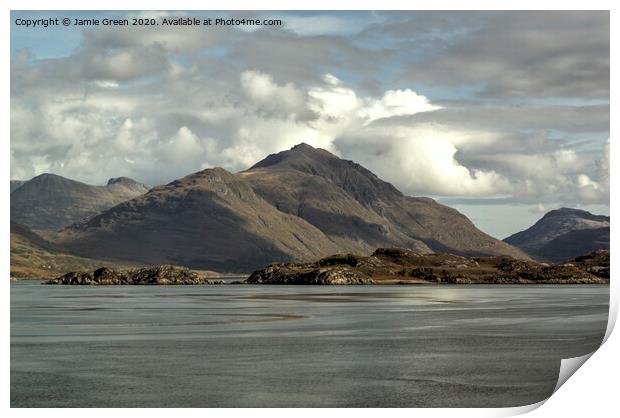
x,y
385,266
42,281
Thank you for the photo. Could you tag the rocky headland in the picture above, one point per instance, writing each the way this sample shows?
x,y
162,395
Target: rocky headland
x,y
403,266
156,275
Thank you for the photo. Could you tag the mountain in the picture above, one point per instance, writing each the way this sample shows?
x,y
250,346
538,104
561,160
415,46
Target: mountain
x,y
299,204
361,212
209,219
574,244
34,257
16,184
563,234
51,202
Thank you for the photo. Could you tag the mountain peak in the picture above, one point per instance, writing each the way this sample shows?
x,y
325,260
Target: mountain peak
x,y
363,185
50,202
307,149
213,174
53,180
121,180
566,211
300,153
574,213
303,146
44,176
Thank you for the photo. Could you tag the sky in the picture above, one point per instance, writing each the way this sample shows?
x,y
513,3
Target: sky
x,y
501,115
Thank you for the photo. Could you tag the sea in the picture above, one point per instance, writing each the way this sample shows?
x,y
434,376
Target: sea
x,y
297,346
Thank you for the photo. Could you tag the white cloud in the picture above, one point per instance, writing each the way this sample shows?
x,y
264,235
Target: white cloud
x,y
539,209
263,91
396,103
106,84
105,124
331,79
341,110
421,159
182,148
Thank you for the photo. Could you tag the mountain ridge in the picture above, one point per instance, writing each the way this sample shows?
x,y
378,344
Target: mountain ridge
x,y
50,202
194,217
299,204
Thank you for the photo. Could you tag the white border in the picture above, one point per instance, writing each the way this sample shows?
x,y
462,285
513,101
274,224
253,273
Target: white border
x,y
592,391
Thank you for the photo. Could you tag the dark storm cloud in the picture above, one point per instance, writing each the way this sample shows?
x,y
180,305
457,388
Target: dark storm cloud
x,y
525,54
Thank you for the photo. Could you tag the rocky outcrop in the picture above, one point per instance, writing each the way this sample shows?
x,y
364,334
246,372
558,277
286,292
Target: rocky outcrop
x,y
384,266
403,266
308,274
596,263
157,275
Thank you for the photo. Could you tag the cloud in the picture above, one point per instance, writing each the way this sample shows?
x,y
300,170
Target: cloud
x,y
325,24
539,209
582,118
279,100
397,103
590,190
422,160
518,54
157,104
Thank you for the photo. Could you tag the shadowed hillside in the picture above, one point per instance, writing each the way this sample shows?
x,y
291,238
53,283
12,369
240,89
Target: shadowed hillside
x,y
564,234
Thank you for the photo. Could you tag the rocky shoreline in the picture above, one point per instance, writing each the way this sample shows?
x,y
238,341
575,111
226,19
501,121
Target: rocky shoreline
x,y
384,266
403,266
156,275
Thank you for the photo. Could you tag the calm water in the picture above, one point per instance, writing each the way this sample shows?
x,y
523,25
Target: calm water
x,y
276,346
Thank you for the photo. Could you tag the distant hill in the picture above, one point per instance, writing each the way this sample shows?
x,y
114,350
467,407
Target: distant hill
x,y
564,234
51,202
298,204
574,244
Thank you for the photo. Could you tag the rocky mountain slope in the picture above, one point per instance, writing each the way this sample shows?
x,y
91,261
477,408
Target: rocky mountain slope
x,y
563,234
51,202
209,219
361,212
300,204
